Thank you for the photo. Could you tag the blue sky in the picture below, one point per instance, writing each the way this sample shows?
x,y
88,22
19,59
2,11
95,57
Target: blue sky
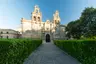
x,y
11,11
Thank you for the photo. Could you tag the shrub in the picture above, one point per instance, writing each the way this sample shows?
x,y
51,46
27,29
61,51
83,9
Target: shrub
x,y
14,51
83,50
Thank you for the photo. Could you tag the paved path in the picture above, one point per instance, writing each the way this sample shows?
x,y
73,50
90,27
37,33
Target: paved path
x,y
48,53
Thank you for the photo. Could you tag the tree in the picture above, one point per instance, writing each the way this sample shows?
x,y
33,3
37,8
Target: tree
x,y
73,29
85,26
88,22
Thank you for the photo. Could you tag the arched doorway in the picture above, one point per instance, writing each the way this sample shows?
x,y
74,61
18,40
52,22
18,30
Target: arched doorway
x,y
47,38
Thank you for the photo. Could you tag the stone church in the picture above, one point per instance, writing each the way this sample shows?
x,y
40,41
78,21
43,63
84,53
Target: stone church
x,y
37,29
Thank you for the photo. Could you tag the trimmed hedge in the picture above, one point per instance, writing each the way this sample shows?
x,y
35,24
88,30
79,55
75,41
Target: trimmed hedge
x,y
83,50
14,51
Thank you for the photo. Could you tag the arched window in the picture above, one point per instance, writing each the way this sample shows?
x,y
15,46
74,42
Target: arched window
x,y
1,32
58,22
1,36
39,19
7,32
34,18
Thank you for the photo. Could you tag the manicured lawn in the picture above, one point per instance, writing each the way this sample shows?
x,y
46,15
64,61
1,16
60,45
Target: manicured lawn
x,y
83,50
14,51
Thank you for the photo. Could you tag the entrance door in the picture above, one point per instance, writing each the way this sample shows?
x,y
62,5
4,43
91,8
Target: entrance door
x,y
47,38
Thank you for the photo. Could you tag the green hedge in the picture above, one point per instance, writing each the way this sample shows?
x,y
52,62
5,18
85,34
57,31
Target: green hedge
x,y
14,51
83,50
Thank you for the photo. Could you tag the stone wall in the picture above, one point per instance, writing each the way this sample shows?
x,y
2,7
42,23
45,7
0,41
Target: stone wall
x,y
9,33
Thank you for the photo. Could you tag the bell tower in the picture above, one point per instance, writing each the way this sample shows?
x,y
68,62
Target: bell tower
x,y
36,14
56,18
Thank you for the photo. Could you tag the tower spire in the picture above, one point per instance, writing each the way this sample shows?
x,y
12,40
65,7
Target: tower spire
x,y
36,14
56,17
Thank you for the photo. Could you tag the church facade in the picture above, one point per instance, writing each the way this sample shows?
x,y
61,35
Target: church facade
x,y
36,28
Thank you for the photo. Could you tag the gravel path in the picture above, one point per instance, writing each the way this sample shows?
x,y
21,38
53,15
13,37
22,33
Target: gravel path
x,y
48,53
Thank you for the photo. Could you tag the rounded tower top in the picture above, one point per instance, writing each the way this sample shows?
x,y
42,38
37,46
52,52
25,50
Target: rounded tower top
x,y
36,9
57,11
36,6
56,17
